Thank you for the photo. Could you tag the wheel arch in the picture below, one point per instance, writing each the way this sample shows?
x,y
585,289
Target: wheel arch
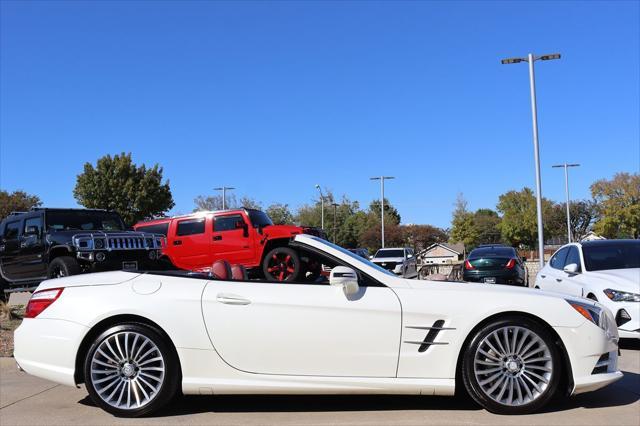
x,y
60,250
271,244
106,324
566,379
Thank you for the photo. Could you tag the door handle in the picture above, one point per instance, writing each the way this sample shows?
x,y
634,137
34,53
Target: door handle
x,y
177,242
23,245
543,276
559,280
232,299
217,237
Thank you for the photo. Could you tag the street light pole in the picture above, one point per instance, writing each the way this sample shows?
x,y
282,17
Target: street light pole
x,y
321,207
224,190
382,179
566,193
536,151
335,229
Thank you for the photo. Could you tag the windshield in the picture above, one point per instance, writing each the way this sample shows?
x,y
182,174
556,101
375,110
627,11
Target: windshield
x,y
492,252
355,257
259,219
390,253
611,255
83,220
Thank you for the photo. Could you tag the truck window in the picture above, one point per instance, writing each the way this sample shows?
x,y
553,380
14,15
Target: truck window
x,y
157,228
12,230
33,221
226,223
190,227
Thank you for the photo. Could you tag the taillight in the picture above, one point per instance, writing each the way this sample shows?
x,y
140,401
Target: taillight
x,y
40,300
510,264
468,265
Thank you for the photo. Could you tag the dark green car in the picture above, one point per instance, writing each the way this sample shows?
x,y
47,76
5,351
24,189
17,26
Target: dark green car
x,y
495,264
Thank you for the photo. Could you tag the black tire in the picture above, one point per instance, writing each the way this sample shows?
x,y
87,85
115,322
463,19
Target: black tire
x,y
281,264
488,400
63,266
4,297
167,387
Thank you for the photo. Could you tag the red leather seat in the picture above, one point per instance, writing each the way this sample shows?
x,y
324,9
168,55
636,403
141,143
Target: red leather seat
x,y
239,273
221,269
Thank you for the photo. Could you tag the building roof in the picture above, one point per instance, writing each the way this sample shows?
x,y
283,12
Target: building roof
x,y
457,248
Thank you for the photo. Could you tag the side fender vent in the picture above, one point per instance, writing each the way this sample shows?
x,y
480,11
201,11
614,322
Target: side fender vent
x,y
431,335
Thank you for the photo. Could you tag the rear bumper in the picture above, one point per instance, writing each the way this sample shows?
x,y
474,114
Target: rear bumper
x,y
47,348
501,277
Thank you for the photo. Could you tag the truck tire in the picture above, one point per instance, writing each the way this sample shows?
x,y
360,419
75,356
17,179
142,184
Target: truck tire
x,y
4,297
281,264
63,266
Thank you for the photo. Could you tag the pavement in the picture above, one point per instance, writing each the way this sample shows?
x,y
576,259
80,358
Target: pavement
x,y
27,400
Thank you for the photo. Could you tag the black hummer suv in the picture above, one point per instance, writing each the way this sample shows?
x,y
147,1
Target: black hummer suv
x,y
50,243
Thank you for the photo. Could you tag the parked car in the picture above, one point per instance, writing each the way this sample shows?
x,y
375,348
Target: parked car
x,y
401,261
48,243
495,264
136,339
362,252
242,236
607,271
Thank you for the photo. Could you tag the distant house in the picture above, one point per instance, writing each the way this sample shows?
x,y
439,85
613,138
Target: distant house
x,y
591,236
442,253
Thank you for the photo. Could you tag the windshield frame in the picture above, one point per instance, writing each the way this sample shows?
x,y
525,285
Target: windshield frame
x,y
255,214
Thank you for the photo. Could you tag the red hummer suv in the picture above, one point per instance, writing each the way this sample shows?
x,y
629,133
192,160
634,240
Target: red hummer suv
x,y
240,236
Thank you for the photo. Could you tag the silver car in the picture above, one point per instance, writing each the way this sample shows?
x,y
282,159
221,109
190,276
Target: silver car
x,y
401,261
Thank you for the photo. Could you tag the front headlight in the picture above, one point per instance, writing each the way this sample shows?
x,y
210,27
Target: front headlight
x,y
622,296
587,310
601,317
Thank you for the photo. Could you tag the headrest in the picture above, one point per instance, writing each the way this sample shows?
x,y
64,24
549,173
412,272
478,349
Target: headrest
x,y
221,269
239,273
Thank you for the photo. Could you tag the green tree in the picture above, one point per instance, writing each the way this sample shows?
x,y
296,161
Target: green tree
x,y
116,183
463,228
422,236
17,201
280,214
519,224
391,214
486,222
618,206
583,214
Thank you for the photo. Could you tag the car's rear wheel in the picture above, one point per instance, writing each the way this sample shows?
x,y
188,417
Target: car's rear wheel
x,y
281,264
512,366
63,266
130,370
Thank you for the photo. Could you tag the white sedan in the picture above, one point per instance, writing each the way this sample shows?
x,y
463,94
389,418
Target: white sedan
x,y
135,339
607,271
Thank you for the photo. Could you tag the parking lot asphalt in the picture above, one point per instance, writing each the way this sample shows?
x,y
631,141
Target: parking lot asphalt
x,y
27,400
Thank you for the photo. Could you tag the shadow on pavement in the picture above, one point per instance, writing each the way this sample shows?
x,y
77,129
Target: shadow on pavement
x,y
624,392
630,344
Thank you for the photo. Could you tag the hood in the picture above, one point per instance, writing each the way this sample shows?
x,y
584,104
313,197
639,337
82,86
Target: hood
x,y
281,231
617,279
99,278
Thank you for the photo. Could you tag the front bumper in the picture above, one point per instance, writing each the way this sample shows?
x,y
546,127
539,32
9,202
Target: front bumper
x,y
592,355
47,348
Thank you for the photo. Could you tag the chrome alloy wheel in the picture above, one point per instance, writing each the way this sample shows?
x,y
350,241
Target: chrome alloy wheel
x,y
513,366
127,370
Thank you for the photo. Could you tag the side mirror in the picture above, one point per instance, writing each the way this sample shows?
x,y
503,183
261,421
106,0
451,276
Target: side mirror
x,y
370,257
31,230
346,278
240,224
409,256
571,269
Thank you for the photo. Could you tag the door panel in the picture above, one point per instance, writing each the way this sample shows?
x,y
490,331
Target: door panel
x,y
230,243
190,245
10,254
300,329
31,257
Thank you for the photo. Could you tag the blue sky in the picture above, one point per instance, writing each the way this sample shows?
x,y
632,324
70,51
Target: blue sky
x,y
273,98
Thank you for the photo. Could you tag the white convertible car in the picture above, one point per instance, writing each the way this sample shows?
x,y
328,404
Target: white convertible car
x,y
607,271
135,339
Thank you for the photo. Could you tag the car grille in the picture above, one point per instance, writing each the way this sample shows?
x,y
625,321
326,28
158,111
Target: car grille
x,y
387,265
121,243
124,241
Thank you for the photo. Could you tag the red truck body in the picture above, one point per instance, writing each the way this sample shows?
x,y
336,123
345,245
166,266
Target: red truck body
x,y
239,236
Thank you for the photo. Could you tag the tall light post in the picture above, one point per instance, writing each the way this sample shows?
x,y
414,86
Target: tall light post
x,y
224,190
382,179
321,206
335,229
536,151
566,193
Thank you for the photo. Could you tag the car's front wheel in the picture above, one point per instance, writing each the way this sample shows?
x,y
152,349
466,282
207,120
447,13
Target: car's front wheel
x,y
512,366
63,266
131,371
